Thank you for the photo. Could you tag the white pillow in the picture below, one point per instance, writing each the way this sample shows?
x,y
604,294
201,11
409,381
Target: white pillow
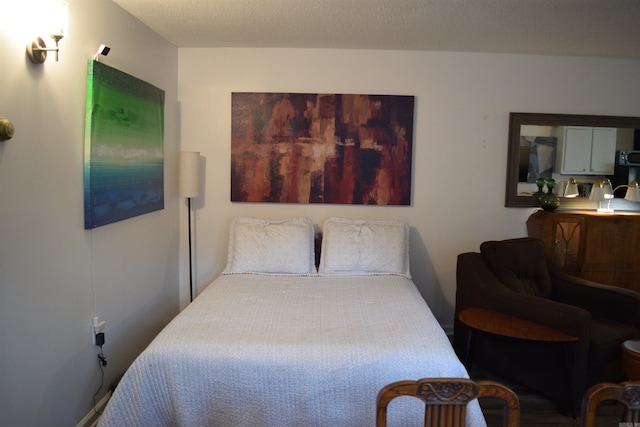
x,y
271,247
364,247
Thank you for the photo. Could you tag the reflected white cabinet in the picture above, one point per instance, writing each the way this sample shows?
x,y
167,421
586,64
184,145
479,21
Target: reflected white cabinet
x,y
586,150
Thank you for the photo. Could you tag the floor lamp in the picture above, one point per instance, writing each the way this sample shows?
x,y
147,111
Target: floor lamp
x,y
190,188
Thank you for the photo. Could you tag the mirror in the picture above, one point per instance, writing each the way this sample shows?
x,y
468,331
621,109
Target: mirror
x,y
550,146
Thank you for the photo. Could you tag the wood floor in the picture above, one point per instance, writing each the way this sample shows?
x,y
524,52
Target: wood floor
x,y
536,410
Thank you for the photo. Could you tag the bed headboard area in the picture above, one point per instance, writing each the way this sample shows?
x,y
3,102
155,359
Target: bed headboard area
x,y
341,247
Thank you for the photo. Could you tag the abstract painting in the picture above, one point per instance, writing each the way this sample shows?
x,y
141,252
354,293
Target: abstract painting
x,y
321,148
124,153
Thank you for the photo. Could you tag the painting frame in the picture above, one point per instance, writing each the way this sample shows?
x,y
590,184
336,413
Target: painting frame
x,y
321,148
123,148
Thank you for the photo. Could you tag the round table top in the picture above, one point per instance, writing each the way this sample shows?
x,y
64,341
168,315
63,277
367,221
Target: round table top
x,y
510,326
632,347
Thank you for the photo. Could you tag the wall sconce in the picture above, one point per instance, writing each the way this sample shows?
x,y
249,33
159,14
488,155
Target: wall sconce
x,y
571,190
54,20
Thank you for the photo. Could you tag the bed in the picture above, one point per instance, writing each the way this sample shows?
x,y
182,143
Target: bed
x,y
283,344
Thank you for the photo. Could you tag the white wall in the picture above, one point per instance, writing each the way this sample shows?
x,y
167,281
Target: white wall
x,y
463,103
48,365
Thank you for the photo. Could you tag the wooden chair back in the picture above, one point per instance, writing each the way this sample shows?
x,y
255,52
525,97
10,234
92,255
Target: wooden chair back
x,y
627,393
446,400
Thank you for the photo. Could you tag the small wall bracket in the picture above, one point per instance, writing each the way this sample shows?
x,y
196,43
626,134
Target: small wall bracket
x,y
37,49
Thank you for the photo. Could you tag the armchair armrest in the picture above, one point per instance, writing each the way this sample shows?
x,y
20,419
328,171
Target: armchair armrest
x,y
479,287
601,300
566,318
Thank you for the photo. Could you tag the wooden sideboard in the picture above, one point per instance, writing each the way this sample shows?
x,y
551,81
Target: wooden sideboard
x,y
603,248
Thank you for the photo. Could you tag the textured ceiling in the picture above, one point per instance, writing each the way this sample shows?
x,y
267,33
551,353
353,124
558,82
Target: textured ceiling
x,y
599,28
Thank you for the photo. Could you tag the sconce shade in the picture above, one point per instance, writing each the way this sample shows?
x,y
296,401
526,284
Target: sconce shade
x,y
189,174
58,19
572,188
597,192
633,192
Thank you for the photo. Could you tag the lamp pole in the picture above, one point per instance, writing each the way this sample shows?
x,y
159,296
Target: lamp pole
x,y
190,188
190,258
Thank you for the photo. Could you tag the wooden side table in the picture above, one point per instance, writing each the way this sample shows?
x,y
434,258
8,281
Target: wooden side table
x,y
630,359
493,322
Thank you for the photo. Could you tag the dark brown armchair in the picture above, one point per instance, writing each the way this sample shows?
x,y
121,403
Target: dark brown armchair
x,y
514,277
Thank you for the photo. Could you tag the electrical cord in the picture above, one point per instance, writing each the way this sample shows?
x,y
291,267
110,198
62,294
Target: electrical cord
x,y
102,362
103,359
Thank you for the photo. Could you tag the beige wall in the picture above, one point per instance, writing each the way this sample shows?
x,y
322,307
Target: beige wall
x,y
462,110
48,365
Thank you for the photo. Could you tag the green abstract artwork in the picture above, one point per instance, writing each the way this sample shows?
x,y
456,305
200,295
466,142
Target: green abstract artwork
x,y
124,147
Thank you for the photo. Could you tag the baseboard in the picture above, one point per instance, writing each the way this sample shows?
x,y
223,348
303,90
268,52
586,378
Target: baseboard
x,y
91,419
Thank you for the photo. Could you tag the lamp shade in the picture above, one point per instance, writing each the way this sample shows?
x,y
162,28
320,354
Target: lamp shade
x,y
633,192
571,189
189,174
57,19
597,192
607,188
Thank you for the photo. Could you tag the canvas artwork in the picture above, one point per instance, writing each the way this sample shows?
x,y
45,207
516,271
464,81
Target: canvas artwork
x,y
124,139
321,148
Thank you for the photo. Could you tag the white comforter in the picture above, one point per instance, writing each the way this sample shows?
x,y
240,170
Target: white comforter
x,y
287,351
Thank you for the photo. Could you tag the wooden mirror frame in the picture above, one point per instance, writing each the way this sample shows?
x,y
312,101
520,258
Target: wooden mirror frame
x,y
516,120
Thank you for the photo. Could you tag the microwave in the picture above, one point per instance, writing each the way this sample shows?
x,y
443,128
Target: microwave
x,y
628,158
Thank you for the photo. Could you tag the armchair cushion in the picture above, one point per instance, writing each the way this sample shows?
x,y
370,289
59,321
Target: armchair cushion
x,y
520,264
